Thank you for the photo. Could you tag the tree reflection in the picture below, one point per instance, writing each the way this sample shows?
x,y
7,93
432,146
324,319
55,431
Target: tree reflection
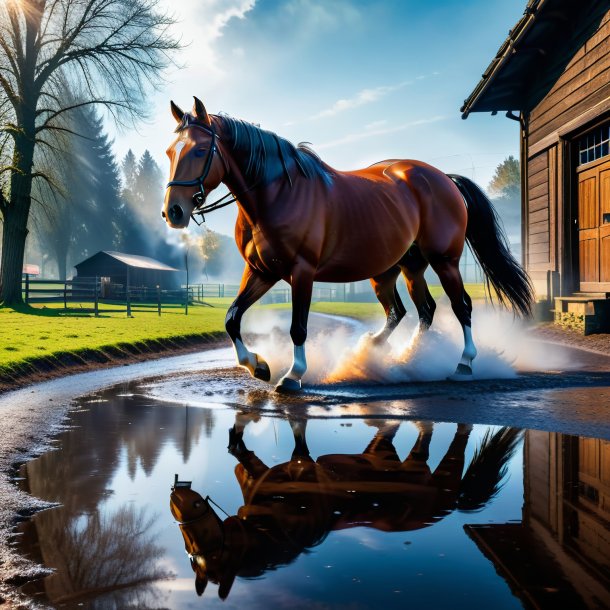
x,y
102,553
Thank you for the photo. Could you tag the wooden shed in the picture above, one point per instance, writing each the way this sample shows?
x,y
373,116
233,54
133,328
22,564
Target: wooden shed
x,y
119,269
552,75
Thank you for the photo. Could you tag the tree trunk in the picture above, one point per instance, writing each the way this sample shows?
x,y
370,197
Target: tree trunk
x,y
14,233
15,228
60,249
17,210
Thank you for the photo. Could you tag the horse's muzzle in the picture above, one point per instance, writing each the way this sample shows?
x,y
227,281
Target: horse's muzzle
x,y
175,214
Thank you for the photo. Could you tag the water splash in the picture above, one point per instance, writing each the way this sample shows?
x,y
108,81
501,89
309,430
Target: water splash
x,y
348,355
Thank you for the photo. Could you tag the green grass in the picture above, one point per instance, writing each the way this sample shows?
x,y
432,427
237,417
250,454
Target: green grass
x,y
28,333
33,332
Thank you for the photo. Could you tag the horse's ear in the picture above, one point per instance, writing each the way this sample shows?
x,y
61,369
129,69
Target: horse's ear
x,y
200,585
176,112
200,112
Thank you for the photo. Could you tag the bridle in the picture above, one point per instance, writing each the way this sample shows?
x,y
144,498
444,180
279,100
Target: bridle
x,y
200,196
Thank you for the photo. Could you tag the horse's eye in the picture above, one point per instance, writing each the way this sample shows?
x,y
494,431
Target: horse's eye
x,y
197,504
199,152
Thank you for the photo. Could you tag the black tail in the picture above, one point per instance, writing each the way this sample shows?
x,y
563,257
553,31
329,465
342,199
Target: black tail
x,y
487,239
486,473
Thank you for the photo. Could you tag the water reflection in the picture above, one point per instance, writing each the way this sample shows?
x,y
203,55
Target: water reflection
x,y
291,507
110,559
320,513
559,555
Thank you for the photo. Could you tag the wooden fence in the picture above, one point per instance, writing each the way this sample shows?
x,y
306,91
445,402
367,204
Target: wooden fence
x,y
94,297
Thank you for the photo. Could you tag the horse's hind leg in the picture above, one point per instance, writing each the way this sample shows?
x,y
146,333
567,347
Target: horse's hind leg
x,y
384,286
448,271
253,287
413,266
448,473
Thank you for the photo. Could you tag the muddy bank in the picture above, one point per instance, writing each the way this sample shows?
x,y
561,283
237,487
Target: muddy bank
x,y
66,363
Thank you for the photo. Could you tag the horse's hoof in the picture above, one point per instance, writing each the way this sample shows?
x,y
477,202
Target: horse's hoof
x,y
261,370
288,385
463,372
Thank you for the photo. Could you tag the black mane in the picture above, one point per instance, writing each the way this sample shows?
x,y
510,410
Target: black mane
x,y
267,155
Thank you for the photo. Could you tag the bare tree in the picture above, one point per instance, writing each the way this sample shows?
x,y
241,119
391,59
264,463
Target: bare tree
x,y
106,51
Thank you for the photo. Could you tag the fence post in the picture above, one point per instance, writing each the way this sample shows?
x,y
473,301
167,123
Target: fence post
x,y
128,295
97,299
65,294
27,287
158,299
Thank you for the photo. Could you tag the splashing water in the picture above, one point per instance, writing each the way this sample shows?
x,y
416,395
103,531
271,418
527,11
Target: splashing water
x,y
348,355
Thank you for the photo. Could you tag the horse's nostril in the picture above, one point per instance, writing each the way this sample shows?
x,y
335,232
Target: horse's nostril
x,y
175,213
162,214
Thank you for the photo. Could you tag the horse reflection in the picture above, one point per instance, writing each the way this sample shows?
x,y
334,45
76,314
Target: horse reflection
x,y
292,507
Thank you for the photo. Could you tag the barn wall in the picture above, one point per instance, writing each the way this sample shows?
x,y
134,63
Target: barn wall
x,y
540,218
579,99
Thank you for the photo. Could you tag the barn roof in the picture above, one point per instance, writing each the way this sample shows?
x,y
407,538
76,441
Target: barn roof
x,y
133,260
546,30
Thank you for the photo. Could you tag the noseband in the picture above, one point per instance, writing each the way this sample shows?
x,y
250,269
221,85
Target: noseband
x,y
200,196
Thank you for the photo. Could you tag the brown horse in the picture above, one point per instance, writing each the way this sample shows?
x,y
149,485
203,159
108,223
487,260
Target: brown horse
x,y
292,507
302,221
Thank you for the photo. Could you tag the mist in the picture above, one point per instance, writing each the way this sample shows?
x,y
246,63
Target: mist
x,y
346,354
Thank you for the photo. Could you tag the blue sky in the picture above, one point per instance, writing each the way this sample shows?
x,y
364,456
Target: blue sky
x,y
362,80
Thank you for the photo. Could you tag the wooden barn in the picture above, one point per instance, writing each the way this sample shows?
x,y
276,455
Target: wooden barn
x,y
552,75
116,269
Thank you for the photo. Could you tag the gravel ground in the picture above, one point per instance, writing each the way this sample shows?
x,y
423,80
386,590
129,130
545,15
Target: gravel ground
x,y
595,343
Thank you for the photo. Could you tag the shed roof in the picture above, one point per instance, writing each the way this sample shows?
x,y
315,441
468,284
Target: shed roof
x,y
133,260
532,44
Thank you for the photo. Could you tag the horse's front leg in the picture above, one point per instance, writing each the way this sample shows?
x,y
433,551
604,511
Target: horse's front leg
x,y
253,287
301,281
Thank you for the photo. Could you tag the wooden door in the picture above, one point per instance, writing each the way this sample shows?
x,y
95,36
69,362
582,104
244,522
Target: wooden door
x,y
594,227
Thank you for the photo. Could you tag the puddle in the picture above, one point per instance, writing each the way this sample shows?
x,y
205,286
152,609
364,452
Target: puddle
x,y
326,513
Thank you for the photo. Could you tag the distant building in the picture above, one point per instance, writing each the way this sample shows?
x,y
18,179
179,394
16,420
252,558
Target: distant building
x,y
552,75
29,269
116,269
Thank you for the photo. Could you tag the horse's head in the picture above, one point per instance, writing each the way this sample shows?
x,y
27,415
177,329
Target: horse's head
x,y
203,535
196,165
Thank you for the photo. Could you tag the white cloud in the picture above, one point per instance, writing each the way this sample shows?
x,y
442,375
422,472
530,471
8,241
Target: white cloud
x,y
369,133
365,96
376,124
202,23
314,16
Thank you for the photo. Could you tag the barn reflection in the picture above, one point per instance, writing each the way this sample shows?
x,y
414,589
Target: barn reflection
x,y
559,555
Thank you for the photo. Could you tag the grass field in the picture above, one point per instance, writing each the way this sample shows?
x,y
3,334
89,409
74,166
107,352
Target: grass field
x,y
33,332
30,333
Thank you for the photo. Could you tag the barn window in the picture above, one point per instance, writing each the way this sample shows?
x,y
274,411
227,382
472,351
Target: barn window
x,y
594,145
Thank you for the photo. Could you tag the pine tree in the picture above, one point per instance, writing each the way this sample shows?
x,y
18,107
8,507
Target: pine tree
x,y
129,166
84,216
